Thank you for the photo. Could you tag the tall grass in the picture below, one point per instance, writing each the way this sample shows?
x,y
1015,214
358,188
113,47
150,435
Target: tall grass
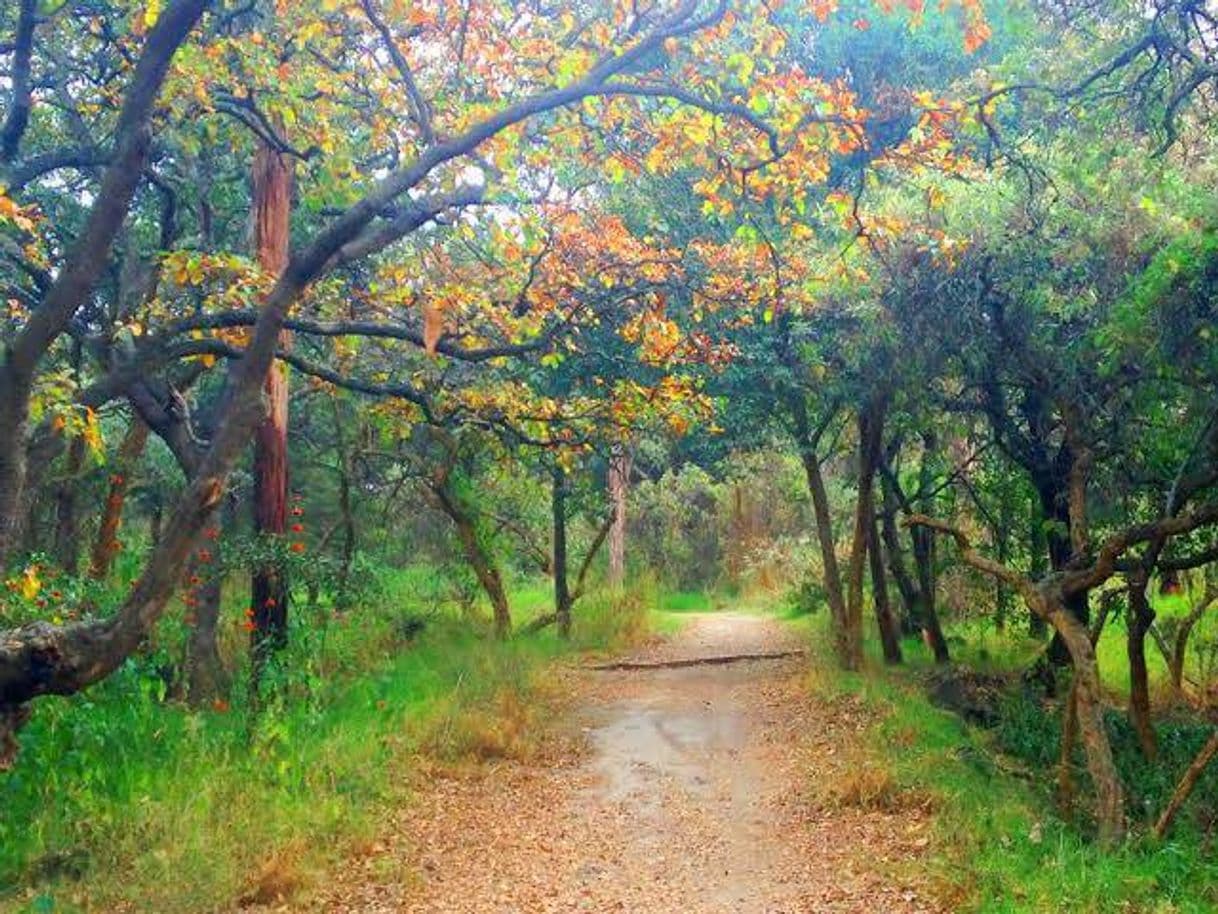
x,y
124,799
999,845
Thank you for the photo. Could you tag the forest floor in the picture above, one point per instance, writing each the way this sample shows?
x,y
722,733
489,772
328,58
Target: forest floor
x,y
696,789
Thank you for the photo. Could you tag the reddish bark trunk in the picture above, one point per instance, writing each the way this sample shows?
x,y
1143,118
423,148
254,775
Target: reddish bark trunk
x,y
272,192
106,545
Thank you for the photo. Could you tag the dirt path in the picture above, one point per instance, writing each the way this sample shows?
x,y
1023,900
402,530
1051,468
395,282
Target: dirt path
x,y
691,794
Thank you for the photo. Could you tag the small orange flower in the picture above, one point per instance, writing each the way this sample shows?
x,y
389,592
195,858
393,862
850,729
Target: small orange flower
x,y
249,625
298,547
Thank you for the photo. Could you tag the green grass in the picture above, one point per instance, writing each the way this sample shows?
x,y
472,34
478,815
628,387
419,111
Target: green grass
x,y
686,601
122,799
999,847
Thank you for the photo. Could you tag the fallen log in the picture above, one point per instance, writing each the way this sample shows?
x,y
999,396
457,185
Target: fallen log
x,y
695,661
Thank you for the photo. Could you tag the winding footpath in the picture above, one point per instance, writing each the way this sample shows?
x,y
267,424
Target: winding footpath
x,y
686,789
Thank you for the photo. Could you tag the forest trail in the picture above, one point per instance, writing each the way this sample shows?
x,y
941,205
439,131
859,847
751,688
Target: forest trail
x,y
679,790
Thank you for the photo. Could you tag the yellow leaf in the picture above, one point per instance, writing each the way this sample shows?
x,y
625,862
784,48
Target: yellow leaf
x,y
152,12
30,583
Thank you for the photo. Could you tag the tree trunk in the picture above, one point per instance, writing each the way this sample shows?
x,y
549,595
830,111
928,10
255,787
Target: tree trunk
x,y
1110,802
272,202
1065,759
207,680
1038,549
870,427
562,593
890,636
619,488
478,556
1185,788
910,624
106,544
1141,617
67,532
344,506
824,522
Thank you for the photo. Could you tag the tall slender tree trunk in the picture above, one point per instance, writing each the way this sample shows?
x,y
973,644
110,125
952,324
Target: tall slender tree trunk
x,y
67,519
619,488
477,554
1141,617
1089,706
924,559
834,594
562,592
890,634
1038,549
910,624
272,192
207,680
871,427
106,543
345,509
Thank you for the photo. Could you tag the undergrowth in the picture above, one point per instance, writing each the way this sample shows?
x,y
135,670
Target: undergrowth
x,y
999,845
122,796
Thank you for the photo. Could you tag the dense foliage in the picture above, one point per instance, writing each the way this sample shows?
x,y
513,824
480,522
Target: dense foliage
x,y
903,310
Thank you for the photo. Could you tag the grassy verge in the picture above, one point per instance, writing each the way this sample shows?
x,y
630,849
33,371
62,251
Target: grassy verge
x,y
122,800
998,845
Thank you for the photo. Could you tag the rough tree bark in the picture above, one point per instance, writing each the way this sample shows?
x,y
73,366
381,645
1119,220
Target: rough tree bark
x,y
919,594
619,489
562,592
67,515
1141,618
207,679
871,428
1185,787
272,207
476,551
807,439
890,634
106,543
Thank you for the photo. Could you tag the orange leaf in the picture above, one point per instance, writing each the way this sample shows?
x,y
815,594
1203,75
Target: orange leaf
x,y
433,327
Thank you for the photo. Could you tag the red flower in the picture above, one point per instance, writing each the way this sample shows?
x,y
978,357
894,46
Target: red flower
x,y
298,547
298,512
249,626
298,528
